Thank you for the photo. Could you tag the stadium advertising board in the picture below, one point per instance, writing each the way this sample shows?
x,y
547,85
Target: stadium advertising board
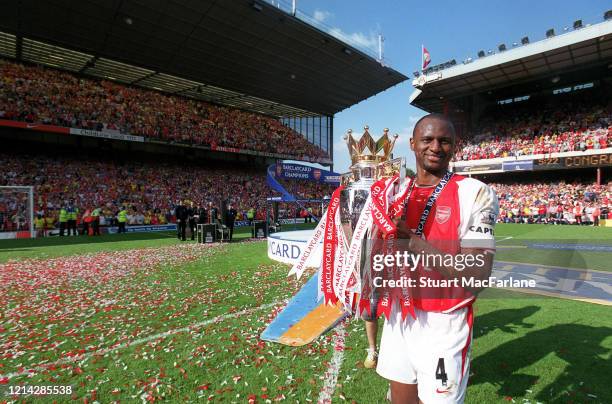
x,y
143,229
106,134
478,168
243,223
116,135
525,165
302,172
594,160
288,250
36,127
267,154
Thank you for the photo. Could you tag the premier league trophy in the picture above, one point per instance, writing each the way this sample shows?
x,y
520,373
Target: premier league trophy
x,y
343,277
371,161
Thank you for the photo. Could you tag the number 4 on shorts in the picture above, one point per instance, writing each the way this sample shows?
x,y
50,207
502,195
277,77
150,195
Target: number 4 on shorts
x,y
441,372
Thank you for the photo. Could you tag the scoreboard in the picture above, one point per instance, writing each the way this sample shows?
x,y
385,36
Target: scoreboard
x,y
560,161
593,160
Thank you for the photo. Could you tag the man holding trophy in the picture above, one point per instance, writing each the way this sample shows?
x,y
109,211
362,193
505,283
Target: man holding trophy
x,y
410,250
426,355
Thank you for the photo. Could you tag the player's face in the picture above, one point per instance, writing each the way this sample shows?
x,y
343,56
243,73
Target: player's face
x,y
433,144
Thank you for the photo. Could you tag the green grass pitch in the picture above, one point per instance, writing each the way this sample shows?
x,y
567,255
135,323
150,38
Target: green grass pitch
x,y
144,317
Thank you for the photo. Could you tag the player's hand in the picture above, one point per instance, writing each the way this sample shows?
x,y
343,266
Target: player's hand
x,y
403,232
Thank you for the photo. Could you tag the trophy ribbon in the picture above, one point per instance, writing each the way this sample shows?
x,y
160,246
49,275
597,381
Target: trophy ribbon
x,y
381,196
381,191
311,246
348,272
340,256
330,244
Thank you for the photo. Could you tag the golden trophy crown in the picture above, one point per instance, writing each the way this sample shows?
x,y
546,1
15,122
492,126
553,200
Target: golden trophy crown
x,y
368,150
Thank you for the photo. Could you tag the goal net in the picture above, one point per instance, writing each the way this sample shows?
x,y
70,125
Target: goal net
x,y
17,212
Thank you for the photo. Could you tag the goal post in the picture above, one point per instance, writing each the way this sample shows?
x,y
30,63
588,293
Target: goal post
x,y
17,212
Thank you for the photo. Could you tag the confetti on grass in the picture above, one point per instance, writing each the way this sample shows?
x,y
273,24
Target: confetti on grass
x,y
63,307
147,325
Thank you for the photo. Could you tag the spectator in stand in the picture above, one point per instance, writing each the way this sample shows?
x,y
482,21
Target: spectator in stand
x,y
42,95
92,181
574,122
565,202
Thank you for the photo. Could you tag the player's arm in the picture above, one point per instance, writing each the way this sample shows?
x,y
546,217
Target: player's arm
x,y
479,266
477,237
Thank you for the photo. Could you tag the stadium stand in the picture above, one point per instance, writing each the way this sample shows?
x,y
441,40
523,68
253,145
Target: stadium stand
x,y
150,189
40,95
541,126
535,122
306,189
553,202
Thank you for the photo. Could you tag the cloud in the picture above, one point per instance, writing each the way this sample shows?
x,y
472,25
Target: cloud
x,y
406,133
356,39
322,15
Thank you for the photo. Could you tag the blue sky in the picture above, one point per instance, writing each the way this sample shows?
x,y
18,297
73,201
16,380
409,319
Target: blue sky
x,y
448,29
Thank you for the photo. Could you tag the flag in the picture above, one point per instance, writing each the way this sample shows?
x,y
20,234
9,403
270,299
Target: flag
x,y
426,58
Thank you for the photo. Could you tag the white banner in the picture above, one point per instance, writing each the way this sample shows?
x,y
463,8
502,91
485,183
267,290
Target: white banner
x,y
106,134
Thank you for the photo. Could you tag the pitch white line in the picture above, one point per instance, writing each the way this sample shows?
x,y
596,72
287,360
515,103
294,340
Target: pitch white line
x,y
331,375
504,239
141,340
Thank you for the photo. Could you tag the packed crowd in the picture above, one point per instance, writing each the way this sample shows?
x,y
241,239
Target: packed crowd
x,y
40,95
14,214
554,203
308,190
149,191
575,125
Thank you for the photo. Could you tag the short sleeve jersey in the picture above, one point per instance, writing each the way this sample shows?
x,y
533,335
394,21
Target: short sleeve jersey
x,y
475,211
463,216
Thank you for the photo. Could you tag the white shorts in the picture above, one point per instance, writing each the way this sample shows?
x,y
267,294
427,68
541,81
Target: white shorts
x,y
432,351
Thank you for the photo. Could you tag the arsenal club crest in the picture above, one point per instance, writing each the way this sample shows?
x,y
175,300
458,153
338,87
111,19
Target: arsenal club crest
x,y
316,173
443,213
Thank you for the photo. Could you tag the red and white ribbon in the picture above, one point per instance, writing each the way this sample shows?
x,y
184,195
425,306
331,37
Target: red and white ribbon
x,y
311,246
330,244
350,271
382,202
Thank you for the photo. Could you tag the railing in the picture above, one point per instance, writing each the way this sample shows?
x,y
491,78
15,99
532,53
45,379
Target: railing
x,y
288,7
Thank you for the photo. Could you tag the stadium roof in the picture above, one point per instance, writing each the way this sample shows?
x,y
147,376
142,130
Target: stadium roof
x,y
579,50
241,53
